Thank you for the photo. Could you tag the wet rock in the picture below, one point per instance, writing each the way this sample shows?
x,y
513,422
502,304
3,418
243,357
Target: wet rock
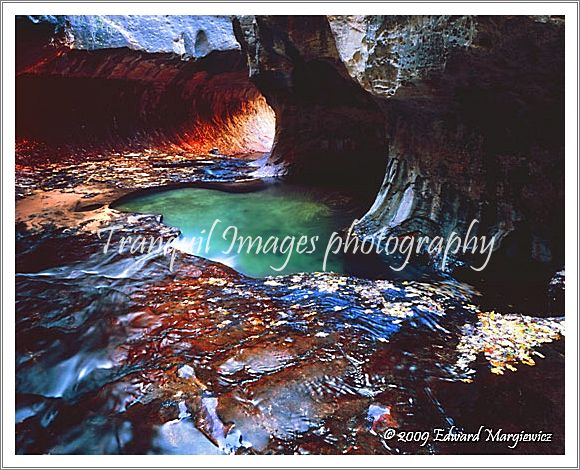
x,y
140,358
380,418
249,366
186,372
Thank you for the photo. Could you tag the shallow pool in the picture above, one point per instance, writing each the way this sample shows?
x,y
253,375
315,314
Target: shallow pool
x,y
278,230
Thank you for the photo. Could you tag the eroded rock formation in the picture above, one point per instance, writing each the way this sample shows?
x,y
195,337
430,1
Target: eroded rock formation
x,y
472,109
116,353
448,119
328,128
98,80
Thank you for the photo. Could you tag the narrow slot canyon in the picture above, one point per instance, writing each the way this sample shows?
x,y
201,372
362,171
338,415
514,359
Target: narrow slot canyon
x,y
189,190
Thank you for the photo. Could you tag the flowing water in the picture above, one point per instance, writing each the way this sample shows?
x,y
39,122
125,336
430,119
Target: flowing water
x,y
118,354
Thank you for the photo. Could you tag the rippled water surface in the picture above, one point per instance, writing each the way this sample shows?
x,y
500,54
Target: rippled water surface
x,y
118,354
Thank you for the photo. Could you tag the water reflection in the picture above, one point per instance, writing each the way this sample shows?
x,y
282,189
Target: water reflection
x,y
113,359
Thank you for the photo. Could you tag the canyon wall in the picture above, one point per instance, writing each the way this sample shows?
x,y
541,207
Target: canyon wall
x,y
443,119
177,82
466,113
327,127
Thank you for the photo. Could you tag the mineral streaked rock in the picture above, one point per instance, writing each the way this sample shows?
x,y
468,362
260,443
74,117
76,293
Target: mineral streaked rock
x,y
473,126
189,36
472,110
134,99
382,52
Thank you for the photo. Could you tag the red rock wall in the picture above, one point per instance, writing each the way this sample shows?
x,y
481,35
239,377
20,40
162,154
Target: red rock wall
x,y
125,98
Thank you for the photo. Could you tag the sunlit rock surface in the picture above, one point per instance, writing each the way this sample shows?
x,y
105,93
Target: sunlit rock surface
x,y
76,97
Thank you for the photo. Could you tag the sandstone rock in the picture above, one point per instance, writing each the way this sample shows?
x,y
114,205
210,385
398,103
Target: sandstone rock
x,y
440,119
467,114
187,36
123,85
328,129
382,52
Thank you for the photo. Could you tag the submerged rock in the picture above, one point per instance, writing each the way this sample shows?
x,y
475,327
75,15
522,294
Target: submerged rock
x,y
118,353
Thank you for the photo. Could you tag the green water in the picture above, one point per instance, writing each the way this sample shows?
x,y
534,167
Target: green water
x,y
290,227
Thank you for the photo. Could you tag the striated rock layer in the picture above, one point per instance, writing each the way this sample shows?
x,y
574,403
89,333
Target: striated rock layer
x,y
445,119
465,113
83,86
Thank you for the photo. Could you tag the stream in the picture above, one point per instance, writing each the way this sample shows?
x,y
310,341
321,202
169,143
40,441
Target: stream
x,y
118,353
